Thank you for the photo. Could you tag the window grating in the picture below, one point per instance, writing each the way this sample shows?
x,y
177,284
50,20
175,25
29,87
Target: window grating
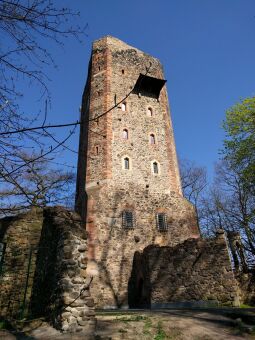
x,y
161,220
128,220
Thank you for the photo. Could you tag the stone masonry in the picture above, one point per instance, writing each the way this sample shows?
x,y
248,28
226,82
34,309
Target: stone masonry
x,y
138,127
20,236
43,272
194,273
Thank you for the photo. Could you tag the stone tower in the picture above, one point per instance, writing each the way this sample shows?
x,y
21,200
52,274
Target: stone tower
x,y
128,184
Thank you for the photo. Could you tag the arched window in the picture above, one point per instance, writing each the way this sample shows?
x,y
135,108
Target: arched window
x,y
125,134
126,163
155,167
123,106
152,139
149,112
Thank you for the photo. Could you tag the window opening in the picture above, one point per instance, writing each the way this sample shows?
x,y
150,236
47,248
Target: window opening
x,y
97,121
122,71
152,139
161,221
125,134
2,251
149,112
97,150
126,163
123,106
128,219
99,68
155,168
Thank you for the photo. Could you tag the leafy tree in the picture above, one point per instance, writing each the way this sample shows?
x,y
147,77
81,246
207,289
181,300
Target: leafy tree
x,y
239,145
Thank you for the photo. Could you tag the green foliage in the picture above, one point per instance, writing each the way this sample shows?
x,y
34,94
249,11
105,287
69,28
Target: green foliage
x,y
131,318
147,327
4,324
239,145
160,335
243,305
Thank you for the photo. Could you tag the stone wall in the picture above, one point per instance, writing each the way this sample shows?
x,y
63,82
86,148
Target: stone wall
x,y
246,283
21,235
54,284
61,286
195,272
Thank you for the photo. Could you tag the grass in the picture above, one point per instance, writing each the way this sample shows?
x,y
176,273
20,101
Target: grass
x,y
2,324
161,334
243,305
147,327
131,318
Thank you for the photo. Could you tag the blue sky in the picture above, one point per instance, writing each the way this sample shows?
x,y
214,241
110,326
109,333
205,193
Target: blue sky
x,y
207,48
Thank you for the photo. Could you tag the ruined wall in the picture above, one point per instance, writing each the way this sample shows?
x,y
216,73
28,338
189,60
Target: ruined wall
x,y
195,271
52,281
246,282
21,236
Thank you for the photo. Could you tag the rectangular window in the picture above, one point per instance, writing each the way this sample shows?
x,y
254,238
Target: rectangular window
x,y
2,251
128,220
161,220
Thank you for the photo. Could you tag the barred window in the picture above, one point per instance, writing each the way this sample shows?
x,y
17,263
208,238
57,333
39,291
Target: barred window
x,y
128,221
161,220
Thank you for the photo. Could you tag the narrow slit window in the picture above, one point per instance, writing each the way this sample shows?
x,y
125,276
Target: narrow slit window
x,y
155,167
128,220
125,134
161,221
2,251
152,139
123,71
97,150
123,106
149,112
126,163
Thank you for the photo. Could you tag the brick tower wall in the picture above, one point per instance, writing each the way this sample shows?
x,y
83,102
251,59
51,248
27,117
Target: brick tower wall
x,y
105,189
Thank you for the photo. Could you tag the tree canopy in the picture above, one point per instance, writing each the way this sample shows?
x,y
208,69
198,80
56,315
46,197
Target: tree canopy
x,y
239,145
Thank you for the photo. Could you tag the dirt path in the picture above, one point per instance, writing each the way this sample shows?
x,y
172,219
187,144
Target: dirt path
x,y
175,324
